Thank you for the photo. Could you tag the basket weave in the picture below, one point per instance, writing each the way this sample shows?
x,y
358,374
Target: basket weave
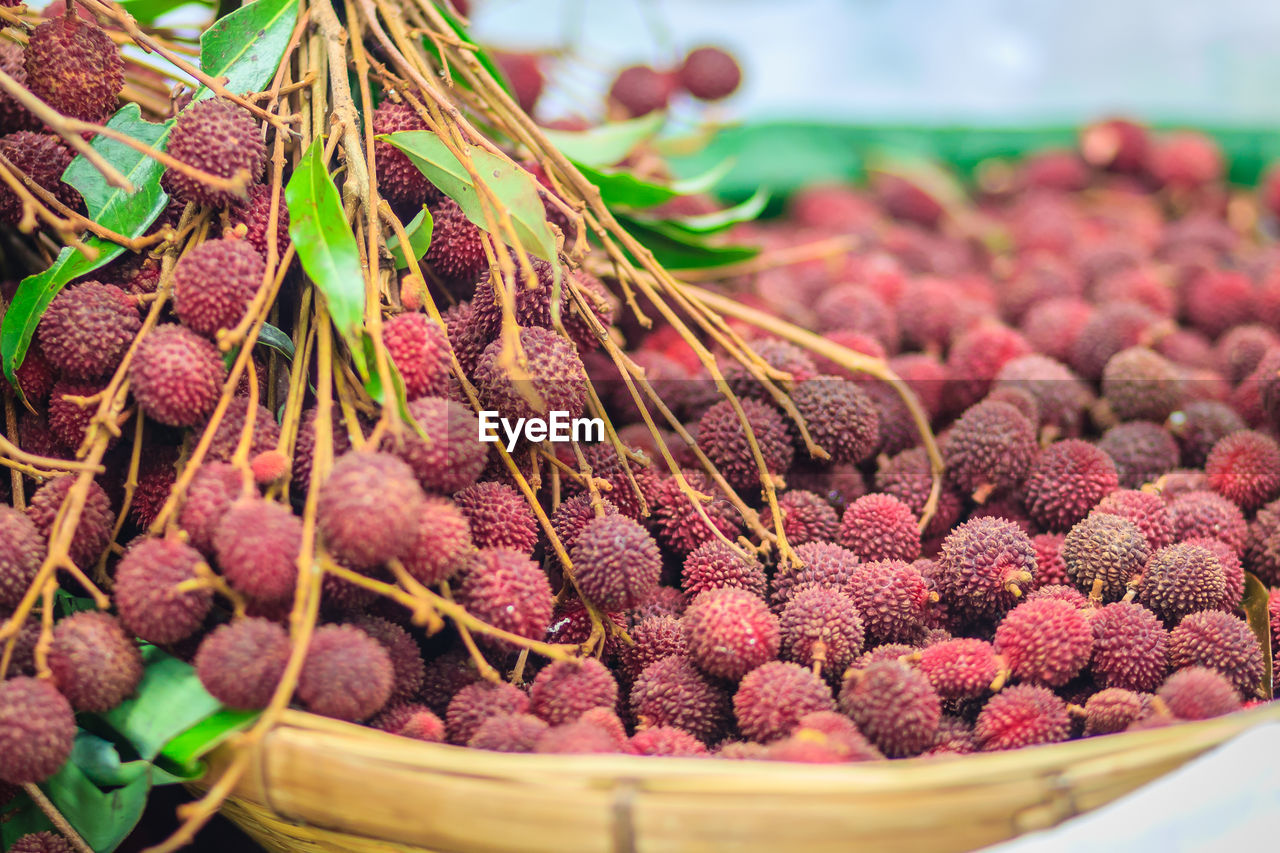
x,y
320,785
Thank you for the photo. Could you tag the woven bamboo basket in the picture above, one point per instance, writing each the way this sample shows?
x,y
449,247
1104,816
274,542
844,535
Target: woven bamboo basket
x,y
320,785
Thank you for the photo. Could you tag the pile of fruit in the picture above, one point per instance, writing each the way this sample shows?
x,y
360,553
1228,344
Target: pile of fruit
x,y
244,433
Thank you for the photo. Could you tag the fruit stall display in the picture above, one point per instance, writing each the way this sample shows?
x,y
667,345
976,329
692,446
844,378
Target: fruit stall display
x,y
934,507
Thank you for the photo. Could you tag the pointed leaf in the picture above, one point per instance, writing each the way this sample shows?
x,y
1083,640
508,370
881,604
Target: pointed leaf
x,y
272,337
246,45
607,144
326,246
677,250
188,748
721,220
102,818
169,700
515,189
419,234
1257,614
703,182
623,189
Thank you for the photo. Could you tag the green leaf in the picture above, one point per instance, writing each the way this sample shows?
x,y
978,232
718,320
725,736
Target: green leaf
x,y
1257,614
623,189
607,144
100,761
677,250
189,747
419,233
721,220
272,337
19,817
325,243
102,818
147,11
704,181
515,189
245,46
169,700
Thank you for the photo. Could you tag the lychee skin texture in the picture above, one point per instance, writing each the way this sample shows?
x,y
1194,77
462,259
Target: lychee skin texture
x,y
963,668
368,508
1045,641
984,565
667,741
255,215
677,523
43,158
564,690
346,675
95,664
507,590
454,458
41,842
37,728
616,562
476,703
672,692
218,137
1181,579
420,351
807,517
715,565
821,625
442,543
710,74
880,527
22,549
213,489
1067,480
1218,641
456,253
1105,552
146,594
730,632
554,371
1263,551
87,328
74,67
721,436
1113,710
1141,385
1141,450
411,720
1129,647
214,283
1147,511
839,416
257,546
893,599
407,667
226,438
654,638
176,376
1245,468
93,530
894,706
499,516
508,733
1198,693
241,663
1209,514
991,448
399,181
774,696
1023,715
641,90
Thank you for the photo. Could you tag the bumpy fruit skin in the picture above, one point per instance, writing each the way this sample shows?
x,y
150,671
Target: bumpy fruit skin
x,y
1129,647
1103,554
616,562
654,637
1023,715
1067,480
146,594
839,416
715,564
1141,385
1141,450
807,517
214,283
640,90
456,253
1146,510
406,657
218,137
43,158
74,67
1218,641
894,706
990,448
1198,514
564,690
226,438
347,674
908,477
367,509
1045,641
880,527
508,733
22,549
454,458
93,531
1245,468
672,692
710,74
721,436
976,357
399,181
667,741
257,545
963,668
983,566
893,599
255,216
730,632
773,697
13,115
420,351
213,489
442,543
87,328
1198,693
476,703
676,521
411,720
509,591
41,842
554,371
241,663
821,625
1181,579
176,376
532,305
1113,709
499,517
95,664
1262,554
37,727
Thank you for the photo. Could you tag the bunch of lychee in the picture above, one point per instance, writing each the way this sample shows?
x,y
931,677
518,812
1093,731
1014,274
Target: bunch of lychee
x,y
706,73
